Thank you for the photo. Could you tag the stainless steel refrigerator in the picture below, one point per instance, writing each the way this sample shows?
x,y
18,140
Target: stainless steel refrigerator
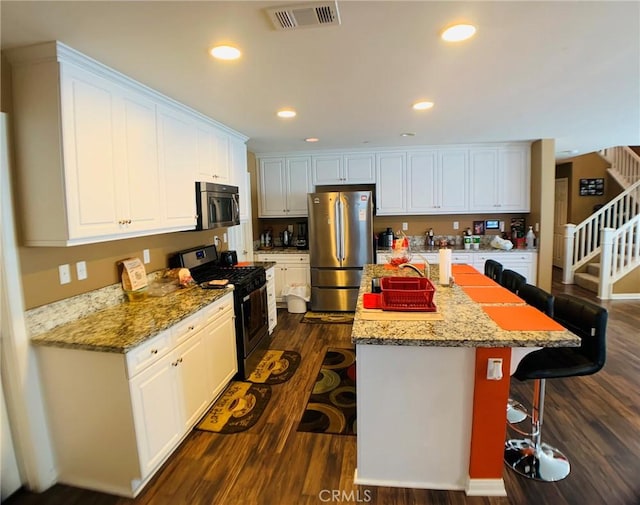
x,y
340,244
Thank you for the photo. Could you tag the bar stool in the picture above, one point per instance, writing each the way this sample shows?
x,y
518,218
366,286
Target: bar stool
x,y
493,270
533,458
513,281
543,301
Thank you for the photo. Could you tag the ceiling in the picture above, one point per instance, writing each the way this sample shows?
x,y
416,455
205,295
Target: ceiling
x,y
563,70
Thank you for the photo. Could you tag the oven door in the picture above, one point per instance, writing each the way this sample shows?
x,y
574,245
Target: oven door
x,y
254,314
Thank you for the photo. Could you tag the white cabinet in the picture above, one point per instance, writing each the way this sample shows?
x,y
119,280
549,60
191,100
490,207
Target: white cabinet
x,y
241,240
391,171
271,298
138,406
283,186
102,157
357,168
240,176
436,181
289,269
177,135
523,262
499,179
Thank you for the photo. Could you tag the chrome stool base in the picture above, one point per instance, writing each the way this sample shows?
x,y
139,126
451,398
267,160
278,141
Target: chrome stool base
x,y
546,464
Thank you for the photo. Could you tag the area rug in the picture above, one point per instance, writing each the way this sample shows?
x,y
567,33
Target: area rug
x,y
275,367
238,408
331,407
328,317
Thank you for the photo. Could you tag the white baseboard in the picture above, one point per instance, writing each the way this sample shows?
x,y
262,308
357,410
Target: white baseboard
x,y
625,296
440,486
485,487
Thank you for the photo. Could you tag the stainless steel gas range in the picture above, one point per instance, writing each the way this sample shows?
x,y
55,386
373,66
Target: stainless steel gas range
x,y
249,295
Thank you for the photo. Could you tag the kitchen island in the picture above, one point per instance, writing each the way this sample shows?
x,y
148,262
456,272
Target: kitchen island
x,y
428,417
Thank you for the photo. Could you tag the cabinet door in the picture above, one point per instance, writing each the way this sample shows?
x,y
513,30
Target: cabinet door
x,y
271,196
421,182
390,183
140,183
157,412
452,180
192,361
178,162
297,274
298,185
206,148
220,337
240,176
221,167
327,170
483,180
359,169
279,281
514,180
89,146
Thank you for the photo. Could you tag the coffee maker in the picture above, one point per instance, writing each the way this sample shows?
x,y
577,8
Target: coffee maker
x,y
302,241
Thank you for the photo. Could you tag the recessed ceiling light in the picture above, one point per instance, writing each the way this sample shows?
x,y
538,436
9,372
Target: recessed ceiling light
x,y
457,33
423,105
225,52
311,139
407,134
287,113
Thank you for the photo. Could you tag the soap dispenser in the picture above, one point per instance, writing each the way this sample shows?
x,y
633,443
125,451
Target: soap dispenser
x,y
530,238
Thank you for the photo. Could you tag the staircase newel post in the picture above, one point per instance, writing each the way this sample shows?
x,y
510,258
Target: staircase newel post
x,y
606,259
567,264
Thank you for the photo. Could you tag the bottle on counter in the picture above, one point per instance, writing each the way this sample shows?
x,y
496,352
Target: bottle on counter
x,y
530,238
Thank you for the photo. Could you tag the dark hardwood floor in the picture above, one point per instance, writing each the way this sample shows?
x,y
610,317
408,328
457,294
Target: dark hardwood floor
x,y
595,420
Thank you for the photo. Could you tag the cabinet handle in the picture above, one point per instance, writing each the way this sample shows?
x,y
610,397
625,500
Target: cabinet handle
x,y
191,327
154,351
175,363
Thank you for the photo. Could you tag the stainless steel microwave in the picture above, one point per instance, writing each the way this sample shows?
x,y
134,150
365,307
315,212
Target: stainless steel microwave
x,y
217,205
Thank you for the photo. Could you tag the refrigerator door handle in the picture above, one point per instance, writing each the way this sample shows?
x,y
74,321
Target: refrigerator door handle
x,y
342,232
338,229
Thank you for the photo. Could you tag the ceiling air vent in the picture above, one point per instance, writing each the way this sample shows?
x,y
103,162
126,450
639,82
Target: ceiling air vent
x,y
306,15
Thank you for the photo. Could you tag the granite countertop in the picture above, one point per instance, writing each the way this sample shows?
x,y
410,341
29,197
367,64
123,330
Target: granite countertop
x,y
281,250
122,327
465,324
425,249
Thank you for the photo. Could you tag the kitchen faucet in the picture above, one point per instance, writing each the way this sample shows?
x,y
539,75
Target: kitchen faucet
x,y
427,267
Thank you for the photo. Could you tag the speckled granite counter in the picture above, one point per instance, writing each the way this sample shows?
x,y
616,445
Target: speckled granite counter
x,y
122,327
465,324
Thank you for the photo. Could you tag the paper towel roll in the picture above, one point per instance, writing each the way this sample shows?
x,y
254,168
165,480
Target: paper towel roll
x,y
445,266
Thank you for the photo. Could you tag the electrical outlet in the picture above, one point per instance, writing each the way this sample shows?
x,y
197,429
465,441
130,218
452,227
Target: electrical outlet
x,y
65,274
501,225
456,225
81,270
537,227
224,238
216,241
405,226
146,257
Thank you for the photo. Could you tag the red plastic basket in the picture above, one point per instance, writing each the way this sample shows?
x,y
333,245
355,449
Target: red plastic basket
x,y
407,294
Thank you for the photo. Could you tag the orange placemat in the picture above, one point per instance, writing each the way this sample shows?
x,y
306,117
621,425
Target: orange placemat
x,y
463,269
523,318
474,280
491,294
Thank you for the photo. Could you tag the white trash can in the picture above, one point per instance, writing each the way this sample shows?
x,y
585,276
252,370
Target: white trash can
x,y
297,297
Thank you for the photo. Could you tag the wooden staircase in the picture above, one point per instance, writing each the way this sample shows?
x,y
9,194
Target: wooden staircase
x,y
610,236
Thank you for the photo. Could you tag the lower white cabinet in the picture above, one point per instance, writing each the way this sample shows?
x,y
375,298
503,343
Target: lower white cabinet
x,y
271,298
115,418
289,269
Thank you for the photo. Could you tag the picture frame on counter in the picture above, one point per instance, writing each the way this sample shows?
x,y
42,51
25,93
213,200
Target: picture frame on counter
x,y
478,227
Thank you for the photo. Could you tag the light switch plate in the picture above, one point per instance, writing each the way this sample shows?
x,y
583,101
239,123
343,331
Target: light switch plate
x,y
405,226
81,270
456,225
64,273
146,257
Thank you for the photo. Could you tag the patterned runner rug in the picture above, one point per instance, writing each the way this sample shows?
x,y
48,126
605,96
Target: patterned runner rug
x,y
331,407
275,367
328,317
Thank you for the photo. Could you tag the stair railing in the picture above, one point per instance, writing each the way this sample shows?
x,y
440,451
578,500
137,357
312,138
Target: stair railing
x,y
620,254
582,241
625,164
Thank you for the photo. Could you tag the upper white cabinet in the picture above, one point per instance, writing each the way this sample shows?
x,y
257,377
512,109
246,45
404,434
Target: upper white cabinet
x,y
499,179
102,157
283,186
436,181
358,168
391,170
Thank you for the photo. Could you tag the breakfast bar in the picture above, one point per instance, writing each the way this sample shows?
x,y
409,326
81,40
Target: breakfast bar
x,y
429,416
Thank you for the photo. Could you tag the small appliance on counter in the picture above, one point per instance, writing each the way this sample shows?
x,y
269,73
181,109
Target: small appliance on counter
x,y
302,241
386,238
229,258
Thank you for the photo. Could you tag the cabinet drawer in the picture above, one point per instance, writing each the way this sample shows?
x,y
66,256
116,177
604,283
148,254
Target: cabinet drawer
x,y
187,327
217,309
148,353
460,258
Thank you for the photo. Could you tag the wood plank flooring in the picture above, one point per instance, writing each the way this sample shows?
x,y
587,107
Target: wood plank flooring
x,y
595,420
